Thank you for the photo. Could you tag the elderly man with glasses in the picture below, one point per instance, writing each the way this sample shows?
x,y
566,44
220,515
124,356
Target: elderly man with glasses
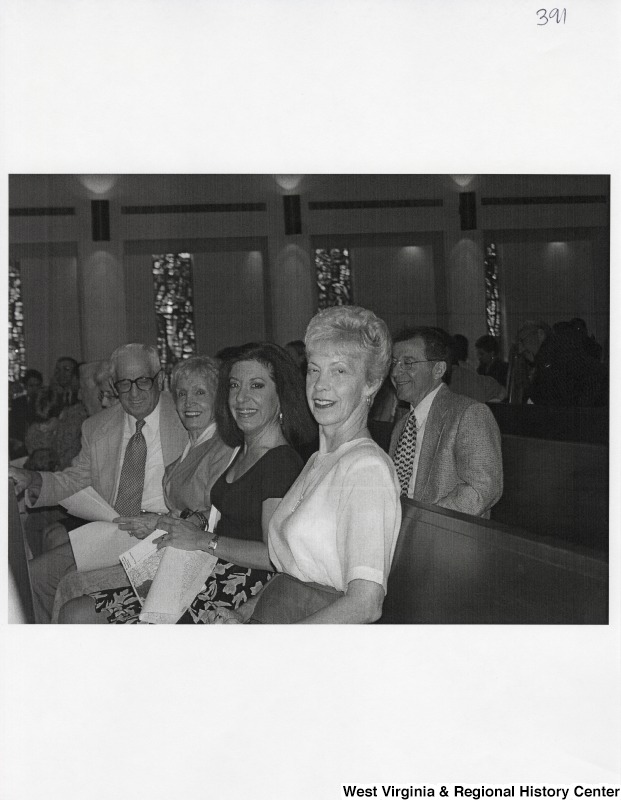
x,y
124,451
447,449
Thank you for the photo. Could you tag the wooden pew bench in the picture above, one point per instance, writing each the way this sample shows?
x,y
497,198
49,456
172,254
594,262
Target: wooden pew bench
x,y
555,488
451,568
20,591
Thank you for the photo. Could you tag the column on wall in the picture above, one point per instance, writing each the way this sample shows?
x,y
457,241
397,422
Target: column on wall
x,y
465,271
291,291
101,287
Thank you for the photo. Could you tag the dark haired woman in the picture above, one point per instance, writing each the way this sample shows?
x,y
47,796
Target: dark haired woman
x,y
260,407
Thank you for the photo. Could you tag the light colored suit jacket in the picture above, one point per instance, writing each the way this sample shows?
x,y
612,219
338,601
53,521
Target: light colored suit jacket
x,y
97,462
460,465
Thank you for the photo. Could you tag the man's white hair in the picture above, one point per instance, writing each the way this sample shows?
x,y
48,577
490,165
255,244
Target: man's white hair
x,y
146,350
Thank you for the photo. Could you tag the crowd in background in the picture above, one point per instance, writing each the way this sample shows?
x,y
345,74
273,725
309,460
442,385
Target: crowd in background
x,y
264,442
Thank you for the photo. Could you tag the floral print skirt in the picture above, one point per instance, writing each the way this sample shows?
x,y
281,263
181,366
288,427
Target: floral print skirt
x,y
227,588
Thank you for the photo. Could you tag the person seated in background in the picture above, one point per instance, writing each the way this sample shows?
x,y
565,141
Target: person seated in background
x,y
22,410
466,381
66,382
187,484
96,390
104,382
227,352
589,343
558,371
42,447
490,363
66,379
42,433
121,462
43,459
297,351
332,539
447,450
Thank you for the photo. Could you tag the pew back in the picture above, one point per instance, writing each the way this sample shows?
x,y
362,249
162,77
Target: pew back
x,y
18,562
451,568
555,488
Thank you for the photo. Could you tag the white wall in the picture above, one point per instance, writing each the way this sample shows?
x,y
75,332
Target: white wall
x,y
51,311
113,290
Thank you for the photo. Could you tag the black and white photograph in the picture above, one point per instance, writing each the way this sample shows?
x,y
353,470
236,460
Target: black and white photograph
x,y
311,320
471,313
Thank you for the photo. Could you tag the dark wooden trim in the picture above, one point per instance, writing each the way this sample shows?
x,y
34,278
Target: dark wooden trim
x,y
589,425
43,211
509,538
133,247
194,208
574,199
343,205
43,250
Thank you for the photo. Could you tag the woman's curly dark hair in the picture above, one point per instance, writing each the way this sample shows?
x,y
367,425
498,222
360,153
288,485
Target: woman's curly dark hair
x,y
298,426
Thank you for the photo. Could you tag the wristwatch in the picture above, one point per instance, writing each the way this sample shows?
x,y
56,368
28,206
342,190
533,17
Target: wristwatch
x,y
213,543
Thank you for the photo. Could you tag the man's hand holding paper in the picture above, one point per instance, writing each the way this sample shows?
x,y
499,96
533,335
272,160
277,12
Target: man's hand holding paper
x,y
140,526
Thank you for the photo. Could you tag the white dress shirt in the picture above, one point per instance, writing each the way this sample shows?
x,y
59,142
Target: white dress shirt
x,y
421,412
153,493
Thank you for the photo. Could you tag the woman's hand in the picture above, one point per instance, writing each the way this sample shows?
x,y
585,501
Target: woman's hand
x,y
140,526
182,534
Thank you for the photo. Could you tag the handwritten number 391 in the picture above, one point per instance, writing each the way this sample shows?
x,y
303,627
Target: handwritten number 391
x,y
556,14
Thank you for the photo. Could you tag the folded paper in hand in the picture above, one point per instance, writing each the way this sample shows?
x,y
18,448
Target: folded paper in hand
x,y
99,543
88,504
166,580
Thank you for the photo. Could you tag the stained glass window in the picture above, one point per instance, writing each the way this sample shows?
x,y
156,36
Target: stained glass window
x,y
17,349
333,277
174,308
492,294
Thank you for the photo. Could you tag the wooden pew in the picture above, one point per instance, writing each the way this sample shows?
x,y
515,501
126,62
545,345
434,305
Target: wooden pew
x,y
18,562
555,488
451,568
555,464
589,425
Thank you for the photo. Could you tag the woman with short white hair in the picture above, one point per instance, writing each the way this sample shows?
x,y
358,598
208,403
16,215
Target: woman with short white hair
x,y
333,536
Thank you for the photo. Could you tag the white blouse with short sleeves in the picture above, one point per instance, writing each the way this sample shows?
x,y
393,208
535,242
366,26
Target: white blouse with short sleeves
x,y
340,519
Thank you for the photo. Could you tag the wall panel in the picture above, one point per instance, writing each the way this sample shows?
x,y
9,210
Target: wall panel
x,y
51,310
229,290
550,279
397,283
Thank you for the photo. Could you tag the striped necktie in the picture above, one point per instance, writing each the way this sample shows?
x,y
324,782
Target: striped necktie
x,y
405,452
131,484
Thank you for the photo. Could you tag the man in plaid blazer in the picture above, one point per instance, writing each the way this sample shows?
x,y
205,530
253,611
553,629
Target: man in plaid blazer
x,y
455,461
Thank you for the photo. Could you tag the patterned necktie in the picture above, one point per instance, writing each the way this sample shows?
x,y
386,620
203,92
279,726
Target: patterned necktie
x,y
404,454
131,485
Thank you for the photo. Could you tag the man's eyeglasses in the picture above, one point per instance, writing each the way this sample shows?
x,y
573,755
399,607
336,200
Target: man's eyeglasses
x,y
143,383
408,363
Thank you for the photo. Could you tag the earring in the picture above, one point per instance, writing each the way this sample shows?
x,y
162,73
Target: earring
x,y
280,419
369,401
